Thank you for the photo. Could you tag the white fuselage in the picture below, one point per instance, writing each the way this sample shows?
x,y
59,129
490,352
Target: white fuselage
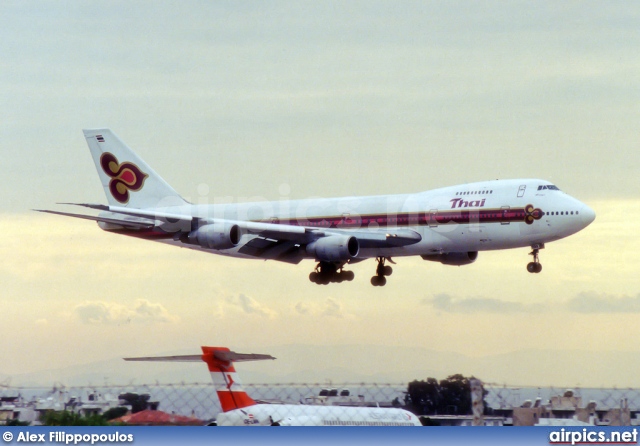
x,y
470,217
301,415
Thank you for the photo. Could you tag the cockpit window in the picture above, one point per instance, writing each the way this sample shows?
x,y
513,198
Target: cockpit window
x,y
548,187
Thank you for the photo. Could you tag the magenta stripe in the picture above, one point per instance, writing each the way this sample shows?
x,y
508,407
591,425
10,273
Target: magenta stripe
x,y
411,219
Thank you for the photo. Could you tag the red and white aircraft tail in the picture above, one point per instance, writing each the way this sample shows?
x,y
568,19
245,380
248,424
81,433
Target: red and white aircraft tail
x,y
239,409
225,379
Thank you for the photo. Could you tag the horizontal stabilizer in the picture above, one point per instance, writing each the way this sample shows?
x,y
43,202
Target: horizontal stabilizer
x,y
115,221
100,207
225,356
240,357
141,213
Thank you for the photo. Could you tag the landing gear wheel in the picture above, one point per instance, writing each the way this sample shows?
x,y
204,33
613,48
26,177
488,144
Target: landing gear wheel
x,y
327,272
382,270
535,266
348,275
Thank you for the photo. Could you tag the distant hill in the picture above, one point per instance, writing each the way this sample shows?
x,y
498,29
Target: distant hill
x,y
363,363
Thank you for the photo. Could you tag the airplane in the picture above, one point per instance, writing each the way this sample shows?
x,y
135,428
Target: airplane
x,y
449,225
239,409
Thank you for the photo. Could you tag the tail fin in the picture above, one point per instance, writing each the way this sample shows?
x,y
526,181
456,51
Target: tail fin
x,y
225,379
127,180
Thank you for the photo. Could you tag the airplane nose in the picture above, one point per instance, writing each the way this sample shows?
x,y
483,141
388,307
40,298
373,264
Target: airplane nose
x,y
587,215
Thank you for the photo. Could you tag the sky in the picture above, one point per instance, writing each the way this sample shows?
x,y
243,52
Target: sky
x,y
281,100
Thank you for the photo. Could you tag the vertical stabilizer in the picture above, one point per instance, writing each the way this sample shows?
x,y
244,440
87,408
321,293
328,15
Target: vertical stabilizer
x,y
225,379
127,180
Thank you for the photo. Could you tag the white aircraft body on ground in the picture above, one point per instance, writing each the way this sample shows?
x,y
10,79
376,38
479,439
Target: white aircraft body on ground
x,y
239,409
448,225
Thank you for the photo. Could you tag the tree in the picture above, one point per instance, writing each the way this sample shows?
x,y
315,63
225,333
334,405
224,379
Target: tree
x,y
66,418
456,395
138,402
17,422
450,396
424,397
114,412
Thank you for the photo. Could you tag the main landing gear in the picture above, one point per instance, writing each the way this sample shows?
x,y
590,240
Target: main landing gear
x,y
382,270
327,272
535,266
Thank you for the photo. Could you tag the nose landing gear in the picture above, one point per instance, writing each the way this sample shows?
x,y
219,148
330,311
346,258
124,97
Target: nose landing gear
x,y
382,270
535,266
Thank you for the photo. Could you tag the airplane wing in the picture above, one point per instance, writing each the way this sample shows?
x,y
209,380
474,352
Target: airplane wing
x,y
272,241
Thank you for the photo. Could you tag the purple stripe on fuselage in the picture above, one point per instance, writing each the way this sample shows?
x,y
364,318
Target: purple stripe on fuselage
x,y
410,219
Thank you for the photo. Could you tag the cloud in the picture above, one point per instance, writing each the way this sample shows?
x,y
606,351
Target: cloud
x,y
249,305
329,308
585,302
332,308
302,308
591,302
110,313
446,303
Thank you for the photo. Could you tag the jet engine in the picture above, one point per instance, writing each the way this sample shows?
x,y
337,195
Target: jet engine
x,y
334,248
453,258
215,236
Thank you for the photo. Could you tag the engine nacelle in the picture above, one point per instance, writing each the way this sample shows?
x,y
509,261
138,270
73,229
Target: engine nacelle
x,y
215,236
334,248
453,258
